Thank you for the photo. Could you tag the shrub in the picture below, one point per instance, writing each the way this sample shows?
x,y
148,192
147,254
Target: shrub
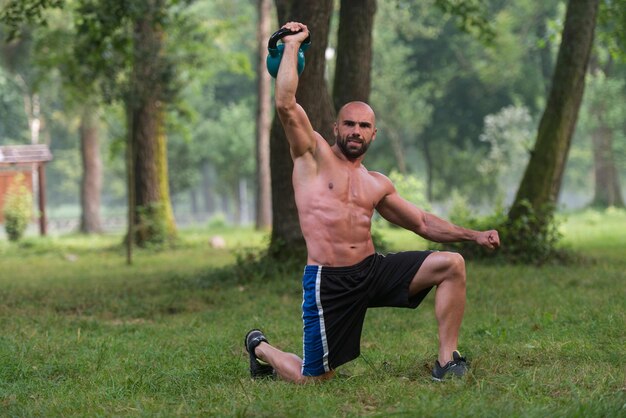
x,y
18,208
534,237
218,221
411,188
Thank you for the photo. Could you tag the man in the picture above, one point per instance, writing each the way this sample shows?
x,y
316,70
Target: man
x,y
336,197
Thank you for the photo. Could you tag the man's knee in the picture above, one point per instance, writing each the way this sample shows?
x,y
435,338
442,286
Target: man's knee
x,y
452,266
457,262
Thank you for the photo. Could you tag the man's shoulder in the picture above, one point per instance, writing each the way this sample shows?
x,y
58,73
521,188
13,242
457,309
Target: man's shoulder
x,y
378,176
383,183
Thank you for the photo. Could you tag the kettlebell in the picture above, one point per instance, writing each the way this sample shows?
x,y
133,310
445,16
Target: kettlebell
x,y
275,52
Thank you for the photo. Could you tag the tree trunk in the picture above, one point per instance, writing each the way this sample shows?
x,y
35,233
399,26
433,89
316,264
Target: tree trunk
x,y
313,95
263,121
236,193
541,183
154,221
163,176
91,182
354,52
398,151
607,186
193,201
207,188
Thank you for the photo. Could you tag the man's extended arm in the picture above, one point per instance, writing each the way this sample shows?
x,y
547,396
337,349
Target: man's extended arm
x,y
297,126
402,213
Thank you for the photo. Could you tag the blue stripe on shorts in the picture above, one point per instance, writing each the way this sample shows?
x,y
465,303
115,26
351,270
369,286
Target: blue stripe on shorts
x,y
315,347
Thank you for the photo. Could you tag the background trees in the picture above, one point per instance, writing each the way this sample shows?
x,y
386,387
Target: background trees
x,y
458,88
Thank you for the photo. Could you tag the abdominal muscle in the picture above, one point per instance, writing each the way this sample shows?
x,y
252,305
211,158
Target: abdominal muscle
x,y
337,233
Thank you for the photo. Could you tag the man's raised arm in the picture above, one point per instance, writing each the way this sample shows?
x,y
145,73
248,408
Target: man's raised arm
x,y
297,126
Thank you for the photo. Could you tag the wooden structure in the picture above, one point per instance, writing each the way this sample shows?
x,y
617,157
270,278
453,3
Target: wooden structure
x,y
26,160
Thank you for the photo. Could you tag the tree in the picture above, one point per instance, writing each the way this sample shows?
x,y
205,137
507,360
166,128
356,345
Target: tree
x,y
605,103
541,183
604,112
154,218
119,41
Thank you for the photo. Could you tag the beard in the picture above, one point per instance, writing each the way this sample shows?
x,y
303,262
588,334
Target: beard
x,y
351,150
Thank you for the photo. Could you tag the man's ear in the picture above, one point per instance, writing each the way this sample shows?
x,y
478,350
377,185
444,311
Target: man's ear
x,y
375,132
335,131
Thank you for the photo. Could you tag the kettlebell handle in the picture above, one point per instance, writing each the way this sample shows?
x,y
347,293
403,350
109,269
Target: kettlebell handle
x,y
281,33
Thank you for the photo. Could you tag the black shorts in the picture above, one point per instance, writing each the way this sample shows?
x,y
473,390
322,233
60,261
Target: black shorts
x,y
335,300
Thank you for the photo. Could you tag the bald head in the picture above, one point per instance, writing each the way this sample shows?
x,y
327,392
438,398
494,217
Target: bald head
x,y
353,109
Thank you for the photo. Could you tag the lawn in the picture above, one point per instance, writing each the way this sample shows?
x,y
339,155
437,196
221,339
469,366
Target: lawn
x,y
84,334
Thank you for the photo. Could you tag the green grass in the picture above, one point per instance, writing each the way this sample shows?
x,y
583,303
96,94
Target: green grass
x,y
83,334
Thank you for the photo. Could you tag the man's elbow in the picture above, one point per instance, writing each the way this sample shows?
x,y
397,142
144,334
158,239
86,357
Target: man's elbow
x,y
284,107
286,111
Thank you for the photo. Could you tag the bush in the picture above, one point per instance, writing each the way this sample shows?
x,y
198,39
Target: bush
x,y
534,237
18,209
218,221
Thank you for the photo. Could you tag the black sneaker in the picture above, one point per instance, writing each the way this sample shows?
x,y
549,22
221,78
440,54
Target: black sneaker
x,y
257,369
457,367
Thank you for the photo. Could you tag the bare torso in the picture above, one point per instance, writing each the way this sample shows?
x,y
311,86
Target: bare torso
x,y
336,199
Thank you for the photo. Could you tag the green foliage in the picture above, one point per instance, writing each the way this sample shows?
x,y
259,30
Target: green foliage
x,y
472,17
533,239
214,44
230,138
411,188
217,221
400,102
460,81
18,208
510,135
438,75
612,27
16,13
